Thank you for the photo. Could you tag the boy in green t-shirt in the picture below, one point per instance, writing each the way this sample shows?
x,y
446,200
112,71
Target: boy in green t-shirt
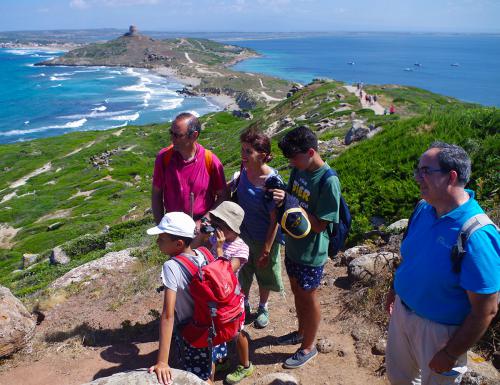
x,y
305,257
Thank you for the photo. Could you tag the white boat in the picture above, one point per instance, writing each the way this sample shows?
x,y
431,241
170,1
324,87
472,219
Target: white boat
x,y
351,63
408,69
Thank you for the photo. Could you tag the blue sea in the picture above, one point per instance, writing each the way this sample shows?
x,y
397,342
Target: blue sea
x,y
43,101
466,67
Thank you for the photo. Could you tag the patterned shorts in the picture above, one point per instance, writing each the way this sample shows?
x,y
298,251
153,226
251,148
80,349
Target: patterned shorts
x,y
308,277
199,360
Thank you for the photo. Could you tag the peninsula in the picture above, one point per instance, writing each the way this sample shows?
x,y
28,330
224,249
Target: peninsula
x,y
202,65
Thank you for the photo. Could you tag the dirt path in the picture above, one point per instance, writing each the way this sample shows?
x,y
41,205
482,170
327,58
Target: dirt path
x,y
376,106
101,331
188,58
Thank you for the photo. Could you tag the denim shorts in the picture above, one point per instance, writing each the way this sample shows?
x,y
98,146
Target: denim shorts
x,y
308,277
199,360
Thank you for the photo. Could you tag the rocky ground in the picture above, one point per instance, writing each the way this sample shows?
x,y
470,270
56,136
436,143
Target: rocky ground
x,y
110,325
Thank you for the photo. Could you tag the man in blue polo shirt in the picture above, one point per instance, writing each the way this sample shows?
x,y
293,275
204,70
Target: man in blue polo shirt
x,y
440,305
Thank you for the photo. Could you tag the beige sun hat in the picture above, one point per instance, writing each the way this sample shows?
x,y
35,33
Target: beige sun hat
x,y
231,213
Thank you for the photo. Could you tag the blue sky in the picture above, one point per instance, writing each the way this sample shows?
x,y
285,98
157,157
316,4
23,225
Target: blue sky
x,y
254,15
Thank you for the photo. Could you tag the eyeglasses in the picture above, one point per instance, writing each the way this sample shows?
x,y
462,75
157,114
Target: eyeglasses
x,y
425,171
176,135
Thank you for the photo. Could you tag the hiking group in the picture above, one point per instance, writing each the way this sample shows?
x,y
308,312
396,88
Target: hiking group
x,y
220,236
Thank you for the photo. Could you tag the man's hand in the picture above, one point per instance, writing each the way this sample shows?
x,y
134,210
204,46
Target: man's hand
x,y
278,196
163,373
442,361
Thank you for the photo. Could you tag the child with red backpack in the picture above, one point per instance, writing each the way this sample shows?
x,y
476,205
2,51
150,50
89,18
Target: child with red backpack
x,y
226,243
201,297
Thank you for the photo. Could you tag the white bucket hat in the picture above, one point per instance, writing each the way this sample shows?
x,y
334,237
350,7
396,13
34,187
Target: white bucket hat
x,y
175,223
231,213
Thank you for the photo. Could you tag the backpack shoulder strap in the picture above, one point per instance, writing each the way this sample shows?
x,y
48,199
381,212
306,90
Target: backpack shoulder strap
x,y
187,264
473,224
206,253
209,162
327,174
167,156
417,207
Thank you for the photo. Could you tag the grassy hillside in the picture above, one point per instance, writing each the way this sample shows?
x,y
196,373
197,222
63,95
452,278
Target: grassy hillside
x,y
83,193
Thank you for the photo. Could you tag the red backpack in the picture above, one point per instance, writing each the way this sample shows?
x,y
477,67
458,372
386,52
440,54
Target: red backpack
x,y
218,304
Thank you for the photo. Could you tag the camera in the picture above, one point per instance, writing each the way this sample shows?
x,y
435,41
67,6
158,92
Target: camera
x,y
206,227
273,182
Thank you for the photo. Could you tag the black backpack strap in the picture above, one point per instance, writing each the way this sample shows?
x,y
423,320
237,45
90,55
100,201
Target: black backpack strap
x,y
327,174
417,207
470,226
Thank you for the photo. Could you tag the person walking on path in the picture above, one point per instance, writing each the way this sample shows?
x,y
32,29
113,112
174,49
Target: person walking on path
x,y
259,228
306,256
187,177
444,296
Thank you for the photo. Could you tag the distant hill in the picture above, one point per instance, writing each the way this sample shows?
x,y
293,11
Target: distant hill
x,y
201,64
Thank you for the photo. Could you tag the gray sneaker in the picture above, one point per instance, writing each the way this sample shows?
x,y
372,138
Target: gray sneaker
x,y
292,338
299,359
262,319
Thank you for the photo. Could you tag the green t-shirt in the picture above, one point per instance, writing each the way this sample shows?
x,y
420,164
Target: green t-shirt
x,y
312,250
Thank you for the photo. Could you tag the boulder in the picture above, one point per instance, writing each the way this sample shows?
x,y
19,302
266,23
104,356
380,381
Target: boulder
x,y
114,261
353,253
54,226
58,256
29,259
398,226
277,379
16,324
355,134
142,377
365,267
242,114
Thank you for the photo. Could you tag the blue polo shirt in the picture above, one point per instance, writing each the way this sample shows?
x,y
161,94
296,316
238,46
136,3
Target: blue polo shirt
x,y
425,280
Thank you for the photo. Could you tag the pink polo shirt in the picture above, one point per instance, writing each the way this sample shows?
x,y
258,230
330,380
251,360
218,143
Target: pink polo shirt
x,y
182,177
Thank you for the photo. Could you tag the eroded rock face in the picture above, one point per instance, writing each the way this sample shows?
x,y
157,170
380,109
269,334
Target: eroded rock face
x,y
142,377
16,324
115,261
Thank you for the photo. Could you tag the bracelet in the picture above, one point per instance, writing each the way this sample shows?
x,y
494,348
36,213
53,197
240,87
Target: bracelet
x,y
454,358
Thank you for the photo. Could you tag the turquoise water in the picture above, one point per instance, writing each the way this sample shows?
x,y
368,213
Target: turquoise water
x,y
46,101
463,66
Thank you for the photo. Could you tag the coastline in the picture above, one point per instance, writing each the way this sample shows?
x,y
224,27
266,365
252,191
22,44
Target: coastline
x,y
223,101
62,47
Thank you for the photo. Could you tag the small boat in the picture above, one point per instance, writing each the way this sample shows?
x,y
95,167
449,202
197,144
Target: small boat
x,y
408,69
455,64
417,65
351,63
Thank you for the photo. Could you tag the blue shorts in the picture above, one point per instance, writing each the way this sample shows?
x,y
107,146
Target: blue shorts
x,y
308,277
199,360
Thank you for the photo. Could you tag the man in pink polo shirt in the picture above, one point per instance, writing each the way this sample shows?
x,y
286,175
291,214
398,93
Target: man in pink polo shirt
x,y
184,178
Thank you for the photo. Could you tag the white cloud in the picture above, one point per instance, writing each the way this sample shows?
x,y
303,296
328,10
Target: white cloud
x,y
83,4
80,4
